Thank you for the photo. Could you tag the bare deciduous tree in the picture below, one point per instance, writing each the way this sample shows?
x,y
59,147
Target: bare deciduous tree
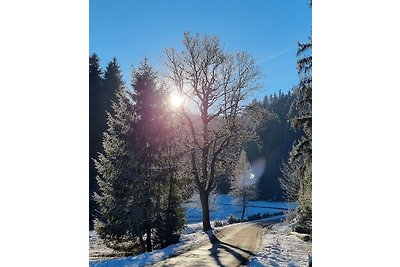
x,y
216,86
243,181
290,182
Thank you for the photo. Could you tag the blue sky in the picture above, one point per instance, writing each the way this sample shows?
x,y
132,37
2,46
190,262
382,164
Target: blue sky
x,y
267,29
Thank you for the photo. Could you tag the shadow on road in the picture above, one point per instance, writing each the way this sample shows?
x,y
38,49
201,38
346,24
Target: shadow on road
x,y
217,245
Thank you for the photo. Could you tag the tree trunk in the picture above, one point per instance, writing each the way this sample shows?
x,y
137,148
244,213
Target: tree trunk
x,y
148,239
206,210
141,241
168,229
244,207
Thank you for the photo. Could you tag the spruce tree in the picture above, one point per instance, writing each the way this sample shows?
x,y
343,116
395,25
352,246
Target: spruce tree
x,y
95,127
302,150
138,173
118,216
297,173
171,215
112,83
102,92
149,128
157,160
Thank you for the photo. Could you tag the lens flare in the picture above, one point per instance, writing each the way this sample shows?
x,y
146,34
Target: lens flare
x,y
258,167
176,100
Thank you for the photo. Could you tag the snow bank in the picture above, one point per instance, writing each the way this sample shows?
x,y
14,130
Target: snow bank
x,y
192,237
278,248
97,248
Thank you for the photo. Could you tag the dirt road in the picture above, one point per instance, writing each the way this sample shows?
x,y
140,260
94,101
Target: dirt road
x,y
231,247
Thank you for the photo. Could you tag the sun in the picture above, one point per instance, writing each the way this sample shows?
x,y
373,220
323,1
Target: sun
x,y
176,100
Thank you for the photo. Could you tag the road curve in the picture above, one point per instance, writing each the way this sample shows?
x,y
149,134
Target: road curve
x,y
231,247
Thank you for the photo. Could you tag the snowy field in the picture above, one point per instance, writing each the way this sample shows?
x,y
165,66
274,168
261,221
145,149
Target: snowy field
x,y
192,236
224,205
279,248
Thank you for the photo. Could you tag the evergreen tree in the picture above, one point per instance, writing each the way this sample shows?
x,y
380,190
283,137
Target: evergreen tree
x,y
297,178
102,92
138,172
171,215
158,156
118,216
150,128
95,127
113,81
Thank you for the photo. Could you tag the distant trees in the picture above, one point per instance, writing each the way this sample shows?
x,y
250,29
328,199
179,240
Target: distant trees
x,y
243,181
276,137
215,85
140,190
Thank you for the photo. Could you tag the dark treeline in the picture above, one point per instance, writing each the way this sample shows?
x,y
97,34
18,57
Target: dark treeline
x,y
276,139
103,85
276,136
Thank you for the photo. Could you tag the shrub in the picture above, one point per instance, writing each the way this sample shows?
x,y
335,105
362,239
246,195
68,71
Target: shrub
x,y
305,220
254,217
218,223
265,215
232,219
275,214
302,229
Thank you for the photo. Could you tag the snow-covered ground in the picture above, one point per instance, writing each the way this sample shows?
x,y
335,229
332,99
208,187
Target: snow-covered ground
x,y
278,248
191,238
192,235
225,205
97,249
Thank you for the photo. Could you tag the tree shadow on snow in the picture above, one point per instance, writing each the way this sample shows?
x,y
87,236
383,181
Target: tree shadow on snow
x,y
217,245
